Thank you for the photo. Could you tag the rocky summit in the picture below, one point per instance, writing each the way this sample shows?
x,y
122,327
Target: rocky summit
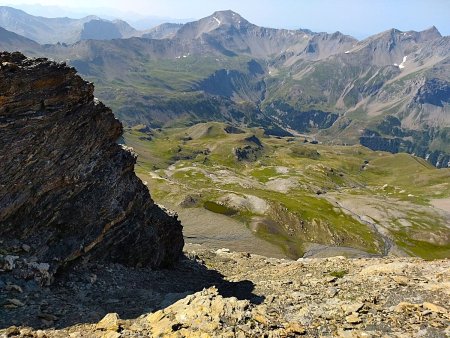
x,y
68,191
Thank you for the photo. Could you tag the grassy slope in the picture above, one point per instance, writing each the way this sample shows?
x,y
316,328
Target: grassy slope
x,y
176,164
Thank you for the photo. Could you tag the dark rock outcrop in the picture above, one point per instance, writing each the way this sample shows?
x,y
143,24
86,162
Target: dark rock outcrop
x,y
251,151
67,189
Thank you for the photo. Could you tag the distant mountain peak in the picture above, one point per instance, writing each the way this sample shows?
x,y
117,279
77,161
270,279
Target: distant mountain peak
x,y
432,32
227,17
217,20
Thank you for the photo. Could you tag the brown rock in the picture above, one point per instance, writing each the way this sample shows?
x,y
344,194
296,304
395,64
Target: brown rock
x,y
434,308
295,328
350,308
111,334
405,306
109,323
401,280
203,314
353,318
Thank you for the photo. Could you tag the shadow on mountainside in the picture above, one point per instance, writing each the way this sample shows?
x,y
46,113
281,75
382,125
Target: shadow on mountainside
x,y
86,294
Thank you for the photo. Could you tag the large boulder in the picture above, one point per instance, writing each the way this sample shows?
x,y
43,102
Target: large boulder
x,y
67,189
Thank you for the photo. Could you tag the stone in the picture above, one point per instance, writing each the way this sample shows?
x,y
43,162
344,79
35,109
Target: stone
x,y
331,279
401,280
40,334
47,317
295,328
203,312
12,331
261,319
13,287
58,149
349,308
385,268
15,302
434,308
109,323
275,300
405,306
222,251
111,334
332,292
353,318
7,262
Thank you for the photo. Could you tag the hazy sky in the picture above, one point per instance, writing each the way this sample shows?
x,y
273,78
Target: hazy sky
x,y
356,17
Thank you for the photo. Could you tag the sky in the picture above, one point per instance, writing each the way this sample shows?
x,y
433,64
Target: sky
x,y
359,18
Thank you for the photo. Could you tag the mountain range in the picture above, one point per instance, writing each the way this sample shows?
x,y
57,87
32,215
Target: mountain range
x,y
388,92
63,30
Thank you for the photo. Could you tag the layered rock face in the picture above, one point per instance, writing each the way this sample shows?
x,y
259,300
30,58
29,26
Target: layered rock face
x,y
67,189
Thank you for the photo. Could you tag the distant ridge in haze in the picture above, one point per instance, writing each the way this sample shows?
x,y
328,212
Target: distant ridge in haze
x,y
65,30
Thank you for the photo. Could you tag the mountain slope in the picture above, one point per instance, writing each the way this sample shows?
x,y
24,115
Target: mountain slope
x,y
229,32
163,31
14,42
400,74
224,68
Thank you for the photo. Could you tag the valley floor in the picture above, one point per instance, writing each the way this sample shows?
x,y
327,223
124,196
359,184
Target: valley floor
x,y
287,197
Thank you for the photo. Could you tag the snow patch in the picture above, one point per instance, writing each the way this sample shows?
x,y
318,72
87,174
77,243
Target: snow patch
x,y
402,65
217,20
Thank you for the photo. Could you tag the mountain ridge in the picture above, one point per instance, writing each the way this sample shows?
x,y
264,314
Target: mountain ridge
x,y
64,30
392,73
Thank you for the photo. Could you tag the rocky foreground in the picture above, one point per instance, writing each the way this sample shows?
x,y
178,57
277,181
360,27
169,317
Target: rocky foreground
x,y
230,294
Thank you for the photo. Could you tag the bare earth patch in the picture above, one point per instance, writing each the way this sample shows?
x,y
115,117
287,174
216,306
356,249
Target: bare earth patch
x,y
442,203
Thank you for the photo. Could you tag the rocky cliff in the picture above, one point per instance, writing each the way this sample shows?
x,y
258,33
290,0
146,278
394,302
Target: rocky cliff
x,y
68,191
